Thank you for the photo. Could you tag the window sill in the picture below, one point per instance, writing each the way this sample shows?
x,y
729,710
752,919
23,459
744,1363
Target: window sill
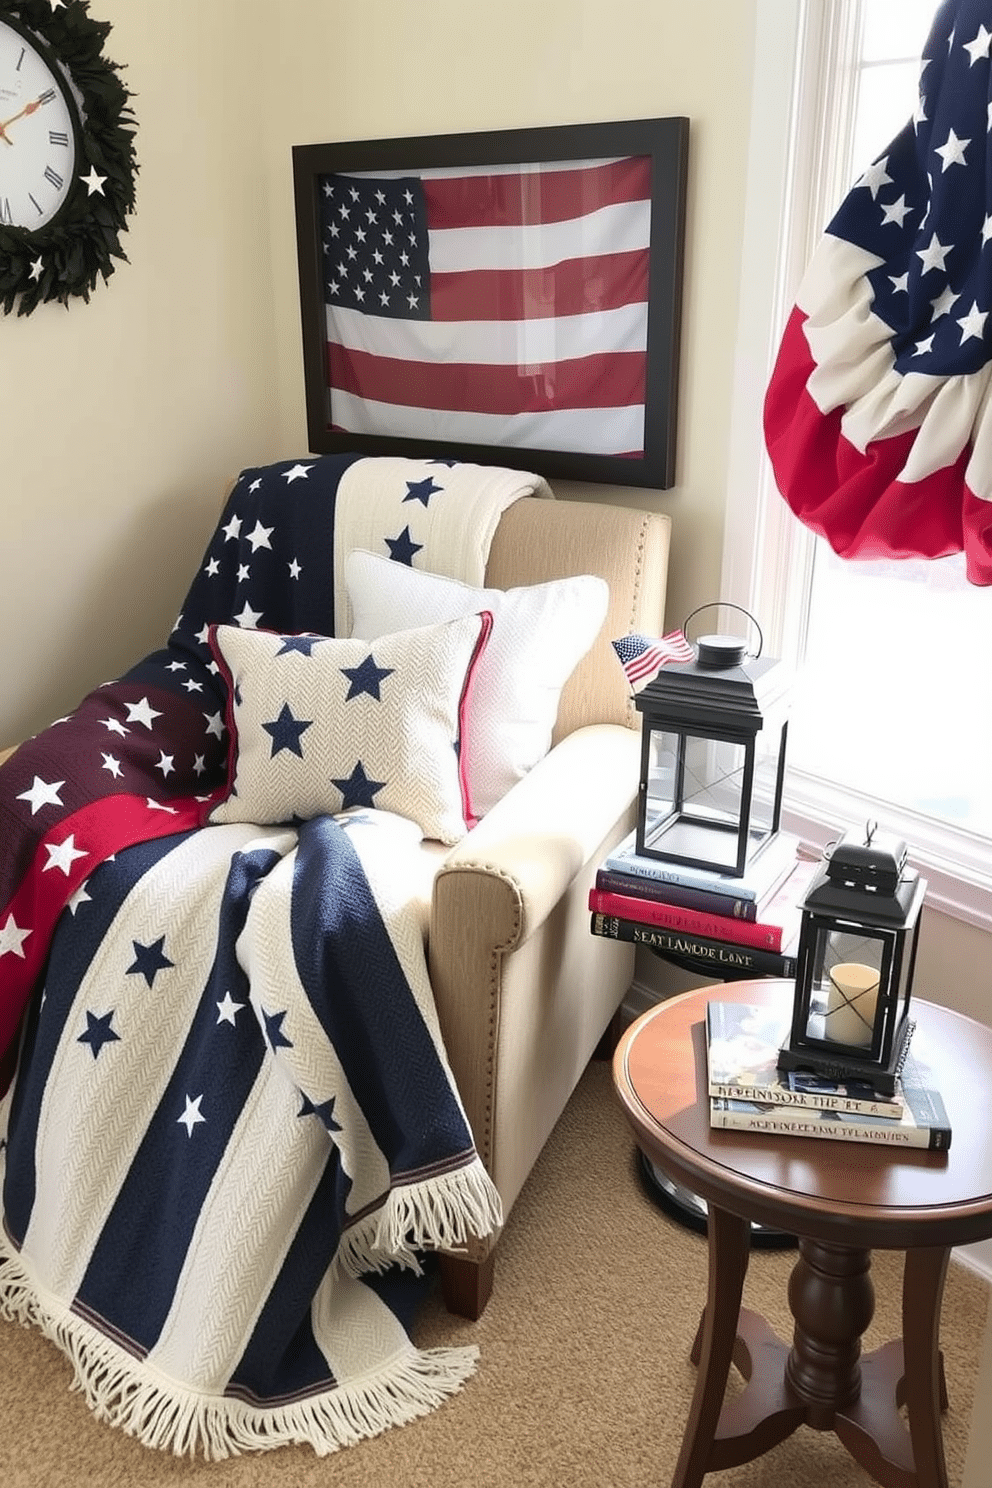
x,y
956,864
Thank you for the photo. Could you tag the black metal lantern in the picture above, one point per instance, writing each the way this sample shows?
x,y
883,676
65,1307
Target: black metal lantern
x,y
713,735
855,962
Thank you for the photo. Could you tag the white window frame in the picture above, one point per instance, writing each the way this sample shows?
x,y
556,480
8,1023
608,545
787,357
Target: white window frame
x,y
803,50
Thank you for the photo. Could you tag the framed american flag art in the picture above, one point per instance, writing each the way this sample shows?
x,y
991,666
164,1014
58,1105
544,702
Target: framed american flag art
x,y
509,297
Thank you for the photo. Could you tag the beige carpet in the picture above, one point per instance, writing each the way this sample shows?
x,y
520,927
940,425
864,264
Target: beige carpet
x,y
584,1377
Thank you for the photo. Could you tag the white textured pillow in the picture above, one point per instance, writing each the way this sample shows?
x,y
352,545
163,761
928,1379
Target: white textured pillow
x,y
540,634
318,725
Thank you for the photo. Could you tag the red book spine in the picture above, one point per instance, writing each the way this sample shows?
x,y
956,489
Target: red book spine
x,y
711,902
764,934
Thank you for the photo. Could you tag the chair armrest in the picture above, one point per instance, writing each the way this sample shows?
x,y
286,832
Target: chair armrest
x,y
527,864
500,883
506,876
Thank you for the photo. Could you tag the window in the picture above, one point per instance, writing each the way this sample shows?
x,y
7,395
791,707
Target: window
x,y
893,717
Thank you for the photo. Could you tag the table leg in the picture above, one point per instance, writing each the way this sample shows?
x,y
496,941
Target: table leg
x,y
715,1343
833,1301
923,1387
823,1380
907,1371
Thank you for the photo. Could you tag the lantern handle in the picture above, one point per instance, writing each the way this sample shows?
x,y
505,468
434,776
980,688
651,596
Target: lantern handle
x,y
726,604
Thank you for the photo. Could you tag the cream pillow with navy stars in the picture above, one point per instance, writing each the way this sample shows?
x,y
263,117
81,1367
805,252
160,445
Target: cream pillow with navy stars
x,y
318,725
540,634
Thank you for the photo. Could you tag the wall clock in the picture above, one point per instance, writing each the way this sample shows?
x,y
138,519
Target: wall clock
x,y
67,160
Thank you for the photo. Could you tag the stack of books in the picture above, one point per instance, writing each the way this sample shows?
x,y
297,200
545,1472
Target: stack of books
x,y
741,925
747,1092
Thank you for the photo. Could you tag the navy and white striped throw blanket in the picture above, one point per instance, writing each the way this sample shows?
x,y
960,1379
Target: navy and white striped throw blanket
x,y
233,1131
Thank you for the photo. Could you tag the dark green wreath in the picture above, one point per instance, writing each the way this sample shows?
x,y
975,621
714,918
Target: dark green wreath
x,y
82,242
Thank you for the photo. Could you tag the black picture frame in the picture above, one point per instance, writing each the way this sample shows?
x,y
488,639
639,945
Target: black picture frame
x,y
662,143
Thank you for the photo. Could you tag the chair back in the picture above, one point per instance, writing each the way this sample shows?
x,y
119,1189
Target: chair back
x,y
538,540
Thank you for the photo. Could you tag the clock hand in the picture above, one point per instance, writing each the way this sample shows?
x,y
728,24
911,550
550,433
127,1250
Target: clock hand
x,y
29,108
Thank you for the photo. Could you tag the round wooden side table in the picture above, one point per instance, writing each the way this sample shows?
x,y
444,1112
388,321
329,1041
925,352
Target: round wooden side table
x,y
842,1199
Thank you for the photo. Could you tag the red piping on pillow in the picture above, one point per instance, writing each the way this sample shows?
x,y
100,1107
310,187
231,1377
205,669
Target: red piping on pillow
x,y
464,703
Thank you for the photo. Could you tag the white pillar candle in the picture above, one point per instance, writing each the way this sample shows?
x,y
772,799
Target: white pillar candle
x,y
851,1003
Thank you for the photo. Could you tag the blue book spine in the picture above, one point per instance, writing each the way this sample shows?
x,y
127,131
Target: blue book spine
x,y
714,900
768,870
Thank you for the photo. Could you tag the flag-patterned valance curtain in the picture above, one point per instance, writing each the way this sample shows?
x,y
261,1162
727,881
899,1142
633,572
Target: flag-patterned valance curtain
x,y
877,417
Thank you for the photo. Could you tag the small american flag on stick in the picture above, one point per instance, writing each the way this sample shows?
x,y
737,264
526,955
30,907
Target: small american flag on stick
x,y
642,657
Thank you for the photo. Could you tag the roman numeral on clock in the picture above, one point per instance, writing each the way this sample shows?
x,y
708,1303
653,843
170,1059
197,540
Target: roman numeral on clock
x,y
57,137
47,96
5,212
53,178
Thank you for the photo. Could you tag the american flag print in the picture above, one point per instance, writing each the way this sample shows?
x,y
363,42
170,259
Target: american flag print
x,y
642,657
504,305
193,1035
140,757
876,414
240,1100
145,756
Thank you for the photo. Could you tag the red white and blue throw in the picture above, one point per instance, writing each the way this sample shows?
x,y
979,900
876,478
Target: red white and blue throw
x,y
877,414
232,1130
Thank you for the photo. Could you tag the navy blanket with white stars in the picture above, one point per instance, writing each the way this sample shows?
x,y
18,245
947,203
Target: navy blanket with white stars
x,y
137,758
224,1121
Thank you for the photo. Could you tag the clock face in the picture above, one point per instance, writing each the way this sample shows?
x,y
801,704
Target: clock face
x,y
37,134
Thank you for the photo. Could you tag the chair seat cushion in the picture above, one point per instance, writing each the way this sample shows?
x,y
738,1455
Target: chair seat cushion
x,y
540,634
318,725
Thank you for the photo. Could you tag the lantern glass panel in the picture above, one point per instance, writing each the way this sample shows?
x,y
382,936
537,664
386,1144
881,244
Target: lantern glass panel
x,y
707,795
850,968
695,797
769,762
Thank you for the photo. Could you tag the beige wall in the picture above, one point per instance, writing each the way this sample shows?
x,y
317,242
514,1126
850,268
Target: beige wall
x,y
122,418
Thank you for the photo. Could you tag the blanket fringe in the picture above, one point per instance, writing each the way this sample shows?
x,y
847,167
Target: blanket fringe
x,y
441,1213
131,1395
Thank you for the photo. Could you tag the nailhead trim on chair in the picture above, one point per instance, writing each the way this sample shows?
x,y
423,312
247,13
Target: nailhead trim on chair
x,y
635,605
484,1141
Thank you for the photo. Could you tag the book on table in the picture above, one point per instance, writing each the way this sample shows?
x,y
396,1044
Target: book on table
x,y
716,958
929,1129
747,1092
776,925
625,871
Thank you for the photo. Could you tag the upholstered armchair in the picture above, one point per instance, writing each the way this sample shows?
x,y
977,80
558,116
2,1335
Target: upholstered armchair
x,y
524,992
